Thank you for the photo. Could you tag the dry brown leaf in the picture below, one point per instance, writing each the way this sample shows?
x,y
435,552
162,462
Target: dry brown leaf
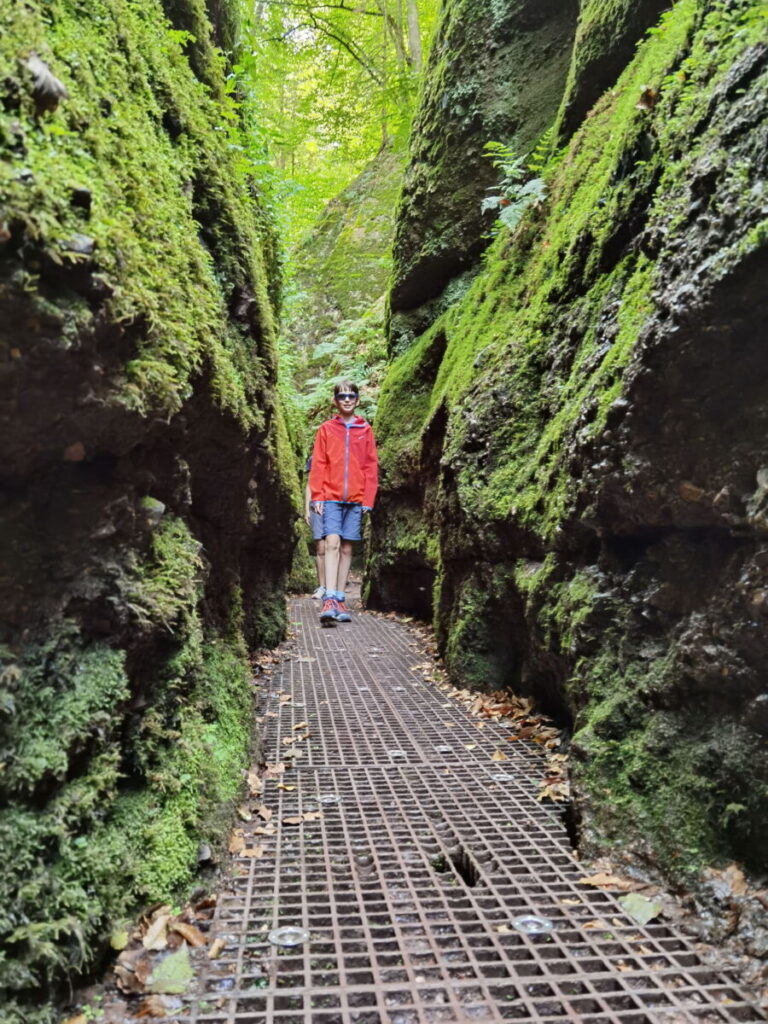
x,y
270,714
301,725
236,842
293,819
288,789
188,931
255,785
127,981
470,746
79,1019
253,851
217,948
264,812
504,929
289,739
285,698
569,902
313,815
598,923
602,880
156,936
266,830
155,1006
497,755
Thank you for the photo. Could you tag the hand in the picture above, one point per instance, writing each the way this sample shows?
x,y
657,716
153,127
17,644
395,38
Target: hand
x,y
307,518
317,506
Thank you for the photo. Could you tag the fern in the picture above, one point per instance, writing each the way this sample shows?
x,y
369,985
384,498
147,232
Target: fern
x,y
513,195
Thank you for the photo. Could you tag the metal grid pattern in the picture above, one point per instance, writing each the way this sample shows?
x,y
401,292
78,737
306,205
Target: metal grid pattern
x,y
409,880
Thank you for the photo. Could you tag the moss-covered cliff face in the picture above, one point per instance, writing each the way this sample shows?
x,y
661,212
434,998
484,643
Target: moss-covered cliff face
x,y
146,491
496,73
574,454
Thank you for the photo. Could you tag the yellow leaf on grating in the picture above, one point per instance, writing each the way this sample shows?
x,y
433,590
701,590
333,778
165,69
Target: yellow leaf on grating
x,y
288,789
253,851
268,830
293,819
602,880
470,746
217,948
301,725
244,813
289,739
497,755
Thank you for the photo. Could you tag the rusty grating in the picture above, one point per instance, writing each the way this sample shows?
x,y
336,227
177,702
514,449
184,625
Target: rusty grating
x,y
409,881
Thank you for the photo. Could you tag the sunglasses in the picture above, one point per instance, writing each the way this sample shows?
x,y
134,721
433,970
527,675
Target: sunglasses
x,y
346,396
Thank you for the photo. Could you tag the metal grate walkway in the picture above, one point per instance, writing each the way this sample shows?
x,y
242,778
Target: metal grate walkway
x,y
422,853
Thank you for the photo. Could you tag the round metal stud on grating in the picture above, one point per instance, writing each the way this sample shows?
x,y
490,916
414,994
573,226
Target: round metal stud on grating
x,y
290,935
530,924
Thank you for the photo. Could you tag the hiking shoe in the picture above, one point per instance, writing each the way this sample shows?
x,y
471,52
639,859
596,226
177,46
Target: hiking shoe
x,y
342,612
319,594
330,612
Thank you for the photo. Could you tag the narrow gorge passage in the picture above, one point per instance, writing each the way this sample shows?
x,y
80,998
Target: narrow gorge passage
x,y
413,861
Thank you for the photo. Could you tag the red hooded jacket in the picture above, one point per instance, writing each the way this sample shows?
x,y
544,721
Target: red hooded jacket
x,y
345,466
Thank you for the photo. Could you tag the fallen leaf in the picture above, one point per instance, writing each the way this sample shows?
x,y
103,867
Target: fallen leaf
x,y
640,908
79,1019
288,789
236,841
497,755
119,939
504,929
266,830
598,923
188,931
156,937
285,698
289,739
173,974
570,902
313,815
255,784
217,947
301,725
253,851
264,812
127,981
602,880
449,725
470,746
244,813
154,1006
294,819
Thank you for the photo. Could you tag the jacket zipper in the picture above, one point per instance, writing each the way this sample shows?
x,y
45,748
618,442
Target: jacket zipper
x,y
346,461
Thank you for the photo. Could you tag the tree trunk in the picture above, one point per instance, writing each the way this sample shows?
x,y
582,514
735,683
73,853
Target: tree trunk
x,y
414,37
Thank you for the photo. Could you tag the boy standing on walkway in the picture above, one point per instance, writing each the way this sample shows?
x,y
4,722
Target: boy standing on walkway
x,y
342,481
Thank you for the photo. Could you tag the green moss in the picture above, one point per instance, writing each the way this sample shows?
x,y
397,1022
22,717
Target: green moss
x,y
156,147
497,443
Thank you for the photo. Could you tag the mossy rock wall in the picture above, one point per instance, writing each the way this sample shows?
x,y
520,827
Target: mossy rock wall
x,y
574,454
496,72
148,489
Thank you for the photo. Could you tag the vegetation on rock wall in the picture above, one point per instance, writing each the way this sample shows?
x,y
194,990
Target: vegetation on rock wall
x,y
148,483
572,453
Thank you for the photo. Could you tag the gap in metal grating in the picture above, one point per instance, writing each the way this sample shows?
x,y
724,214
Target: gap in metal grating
x,y
397,936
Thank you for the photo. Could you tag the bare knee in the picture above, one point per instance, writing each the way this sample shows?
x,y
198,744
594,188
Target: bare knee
x,y
332,542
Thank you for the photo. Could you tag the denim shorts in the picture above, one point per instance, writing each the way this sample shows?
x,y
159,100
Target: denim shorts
x,y
344,518
316,525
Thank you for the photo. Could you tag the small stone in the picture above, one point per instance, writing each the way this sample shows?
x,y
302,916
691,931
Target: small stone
x,y
81,245
48,90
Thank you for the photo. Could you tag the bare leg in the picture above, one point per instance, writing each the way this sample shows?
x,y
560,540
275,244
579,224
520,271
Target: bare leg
x,y
345,561
320,561
332,545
